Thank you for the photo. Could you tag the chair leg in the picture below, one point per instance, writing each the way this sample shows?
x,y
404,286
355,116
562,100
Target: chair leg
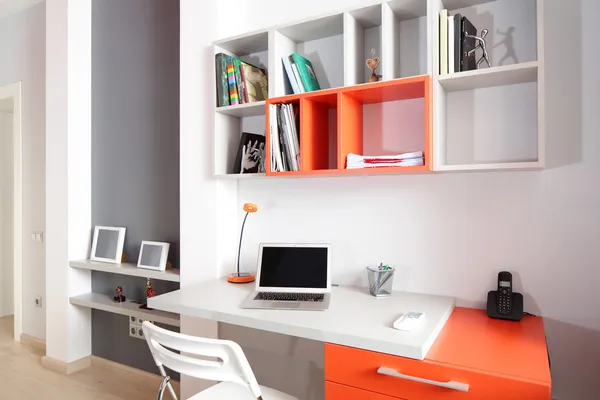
x,y
166,383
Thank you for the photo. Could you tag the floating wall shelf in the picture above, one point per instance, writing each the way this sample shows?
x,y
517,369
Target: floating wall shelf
x,y
171,275
488,119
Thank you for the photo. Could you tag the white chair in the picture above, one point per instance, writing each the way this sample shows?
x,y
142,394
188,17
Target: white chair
x,y
231,367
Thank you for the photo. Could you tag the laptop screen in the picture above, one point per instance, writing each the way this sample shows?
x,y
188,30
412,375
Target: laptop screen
x,y
294,267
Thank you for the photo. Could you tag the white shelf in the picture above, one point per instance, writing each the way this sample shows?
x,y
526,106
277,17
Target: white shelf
x,y
171,275
103,302
244,110
490,77
240,176
525,165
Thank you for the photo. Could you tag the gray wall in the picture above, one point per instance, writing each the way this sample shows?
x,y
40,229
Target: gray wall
x,y
135,146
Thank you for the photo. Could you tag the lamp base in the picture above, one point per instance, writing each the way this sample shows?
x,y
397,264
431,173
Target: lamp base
x,y
242,277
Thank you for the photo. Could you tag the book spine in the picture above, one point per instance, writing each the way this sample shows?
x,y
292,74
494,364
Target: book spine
x,y
238,79
222,83
451,44
233,94
298,80
290,74
443,42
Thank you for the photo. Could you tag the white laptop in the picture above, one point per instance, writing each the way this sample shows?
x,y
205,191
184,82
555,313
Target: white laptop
x,y
292,277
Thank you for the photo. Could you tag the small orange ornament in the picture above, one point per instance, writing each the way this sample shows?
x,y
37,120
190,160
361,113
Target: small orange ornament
x,y
250,207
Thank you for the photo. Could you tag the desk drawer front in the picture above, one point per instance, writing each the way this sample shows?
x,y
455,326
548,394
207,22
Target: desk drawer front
x,y
413,379
335,391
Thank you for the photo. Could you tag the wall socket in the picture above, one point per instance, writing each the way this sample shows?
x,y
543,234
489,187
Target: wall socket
x,y
38,301
135,327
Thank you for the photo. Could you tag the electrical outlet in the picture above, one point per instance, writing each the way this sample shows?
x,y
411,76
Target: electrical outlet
x,y
38,301
135,327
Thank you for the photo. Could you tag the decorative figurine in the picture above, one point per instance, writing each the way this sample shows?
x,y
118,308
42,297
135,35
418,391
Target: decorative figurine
x,y
150,292
480,45
120,297
372,64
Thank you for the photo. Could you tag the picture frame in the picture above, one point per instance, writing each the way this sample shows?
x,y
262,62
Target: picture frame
x,y
153,255
107,245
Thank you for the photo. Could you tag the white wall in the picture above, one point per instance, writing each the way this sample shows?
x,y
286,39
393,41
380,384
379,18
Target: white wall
x,y
22,58
461,229
6,214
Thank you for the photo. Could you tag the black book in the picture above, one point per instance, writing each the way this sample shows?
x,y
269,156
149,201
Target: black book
x,y
457,42
250,155
468,63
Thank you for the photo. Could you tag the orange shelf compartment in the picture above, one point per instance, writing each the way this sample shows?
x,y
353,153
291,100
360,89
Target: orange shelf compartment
x,y
387,118
293,99
382,118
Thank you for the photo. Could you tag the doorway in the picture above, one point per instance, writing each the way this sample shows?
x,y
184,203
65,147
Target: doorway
x,y
11,229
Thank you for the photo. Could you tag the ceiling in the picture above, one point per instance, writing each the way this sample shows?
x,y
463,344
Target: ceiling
x,y
8,7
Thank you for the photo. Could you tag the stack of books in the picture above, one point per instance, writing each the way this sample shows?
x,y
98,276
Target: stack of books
x,y
285,142
300,73
455,45
239,82
355,161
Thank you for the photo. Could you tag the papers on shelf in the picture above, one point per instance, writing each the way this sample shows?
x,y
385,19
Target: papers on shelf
x,y
354,161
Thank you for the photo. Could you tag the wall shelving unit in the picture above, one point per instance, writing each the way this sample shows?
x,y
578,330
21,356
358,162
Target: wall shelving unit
x,y
104,302
487,119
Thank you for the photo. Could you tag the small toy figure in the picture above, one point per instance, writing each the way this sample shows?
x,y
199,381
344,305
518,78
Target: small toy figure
x,y
150,292
480,45
372,64
120,297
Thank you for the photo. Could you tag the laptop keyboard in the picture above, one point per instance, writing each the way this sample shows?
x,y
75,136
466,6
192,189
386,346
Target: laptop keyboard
x,y
317,297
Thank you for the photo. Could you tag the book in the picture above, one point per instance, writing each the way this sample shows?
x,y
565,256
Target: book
x,y
233,94
291,113
306,72
251,154
451,44
276,161
256,83
457,41
355,161
468,63
287,65
297,76
237,65
443,42
222,82
290,143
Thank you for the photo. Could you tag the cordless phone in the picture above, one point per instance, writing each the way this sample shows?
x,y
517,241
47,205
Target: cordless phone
x,y
504,303
504,298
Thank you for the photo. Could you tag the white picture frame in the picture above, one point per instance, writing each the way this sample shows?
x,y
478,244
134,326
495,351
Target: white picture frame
x,y
107,245
153,255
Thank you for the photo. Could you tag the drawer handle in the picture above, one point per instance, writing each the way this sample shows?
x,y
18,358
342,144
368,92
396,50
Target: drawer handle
x,y
463,387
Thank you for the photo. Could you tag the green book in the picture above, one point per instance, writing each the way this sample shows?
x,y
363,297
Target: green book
x,y
307,73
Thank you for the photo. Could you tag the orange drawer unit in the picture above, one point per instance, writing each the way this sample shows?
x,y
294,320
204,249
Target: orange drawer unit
x,y
337,391
473,358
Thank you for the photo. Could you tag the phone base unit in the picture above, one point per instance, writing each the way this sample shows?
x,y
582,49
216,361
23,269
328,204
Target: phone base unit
x,y
516,313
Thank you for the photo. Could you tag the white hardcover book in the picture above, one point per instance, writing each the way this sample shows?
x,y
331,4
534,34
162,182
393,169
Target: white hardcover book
x,y
294,136
290,74
451,44
443,42
276,147
287,138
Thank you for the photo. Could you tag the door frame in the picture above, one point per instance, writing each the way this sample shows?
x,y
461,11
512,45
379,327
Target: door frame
x,y
6,92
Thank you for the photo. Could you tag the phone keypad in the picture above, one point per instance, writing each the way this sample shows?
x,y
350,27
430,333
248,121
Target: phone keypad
x,y
504,302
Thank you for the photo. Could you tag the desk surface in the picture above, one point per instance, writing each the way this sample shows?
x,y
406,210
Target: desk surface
x,y
355,318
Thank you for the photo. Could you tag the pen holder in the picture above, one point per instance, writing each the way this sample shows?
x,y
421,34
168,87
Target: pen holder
x,y
380,281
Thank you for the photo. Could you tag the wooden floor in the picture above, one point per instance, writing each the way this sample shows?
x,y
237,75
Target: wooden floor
x,y
23,377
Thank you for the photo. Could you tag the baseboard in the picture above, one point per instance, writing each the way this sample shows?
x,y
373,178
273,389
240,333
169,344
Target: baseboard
x,y
33,342
66,368
108,364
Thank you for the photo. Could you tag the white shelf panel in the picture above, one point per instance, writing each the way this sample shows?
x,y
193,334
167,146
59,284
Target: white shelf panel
x,y
490,77
526,165
456,4
314,29
408,9
244,110
103,302
255,42
171,275
368,17
240,176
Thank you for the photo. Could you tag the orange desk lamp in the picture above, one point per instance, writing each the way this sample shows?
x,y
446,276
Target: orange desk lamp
x,y
243,277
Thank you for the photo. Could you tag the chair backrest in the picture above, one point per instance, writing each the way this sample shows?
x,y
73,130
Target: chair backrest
x,y
230,365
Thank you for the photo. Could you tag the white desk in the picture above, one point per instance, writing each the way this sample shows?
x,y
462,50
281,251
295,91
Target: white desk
x,y
355,318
